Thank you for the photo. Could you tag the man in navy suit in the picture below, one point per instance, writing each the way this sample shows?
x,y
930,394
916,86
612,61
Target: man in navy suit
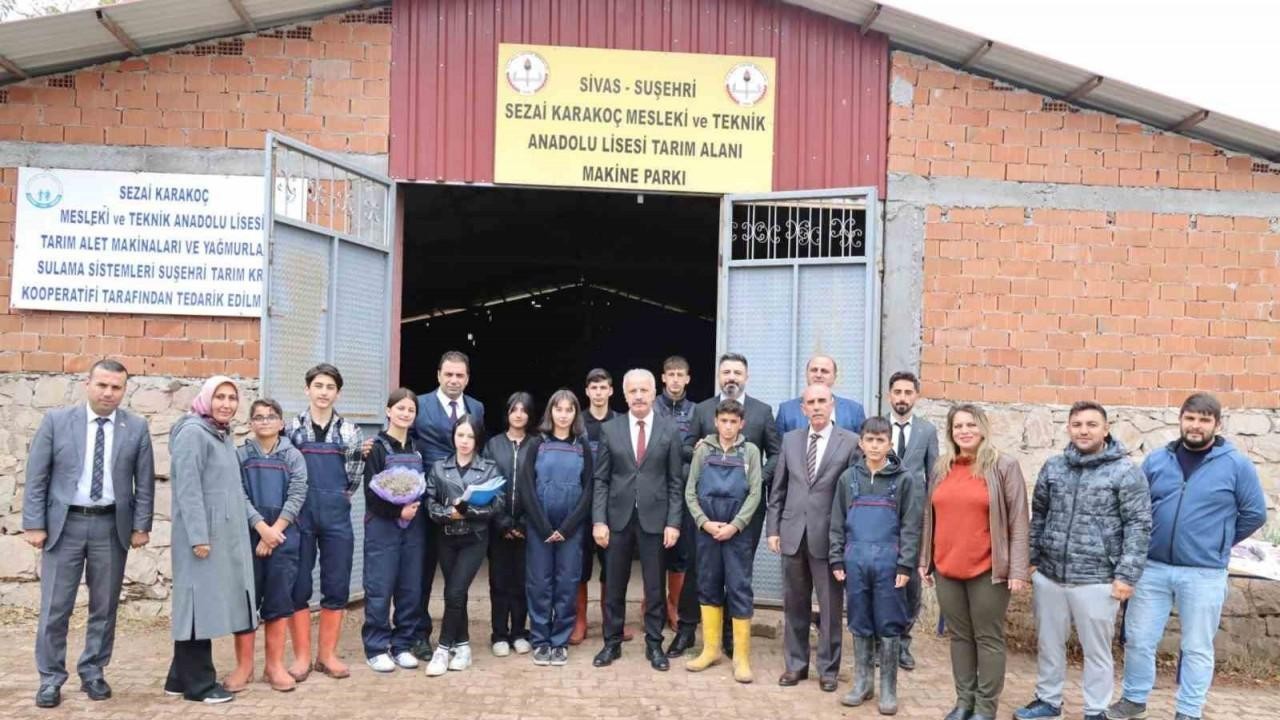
x,y
821,370
432,434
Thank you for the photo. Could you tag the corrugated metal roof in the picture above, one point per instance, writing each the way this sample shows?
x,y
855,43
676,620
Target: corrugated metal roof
x,y
1050,77
58,43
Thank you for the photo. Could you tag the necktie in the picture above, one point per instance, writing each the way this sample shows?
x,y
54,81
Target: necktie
x,y
902,439
99,450
639,442
811,457
453,411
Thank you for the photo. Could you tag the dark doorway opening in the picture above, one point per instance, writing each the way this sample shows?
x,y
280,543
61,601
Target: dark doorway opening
x,y
540,286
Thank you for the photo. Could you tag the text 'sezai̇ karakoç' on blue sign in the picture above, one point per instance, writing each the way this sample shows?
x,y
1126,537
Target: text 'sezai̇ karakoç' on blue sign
x,y
634,120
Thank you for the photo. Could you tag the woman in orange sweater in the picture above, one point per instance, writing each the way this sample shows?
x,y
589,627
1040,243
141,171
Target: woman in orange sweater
x,y
976,548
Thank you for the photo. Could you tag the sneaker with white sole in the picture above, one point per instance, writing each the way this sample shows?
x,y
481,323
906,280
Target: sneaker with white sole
x,y
381,663
1125,709
559,656
461,659
522,646
217,696
501,649
439,664
406,660
542,655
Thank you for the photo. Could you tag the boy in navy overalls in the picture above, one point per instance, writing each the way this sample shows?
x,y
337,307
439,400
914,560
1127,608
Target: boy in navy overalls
x,y
876,518
723,492
332,449
275,485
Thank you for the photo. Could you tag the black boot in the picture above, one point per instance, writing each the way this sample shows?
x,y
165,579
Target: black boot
x,y
889,649
863,686
726,640
684,639
906,660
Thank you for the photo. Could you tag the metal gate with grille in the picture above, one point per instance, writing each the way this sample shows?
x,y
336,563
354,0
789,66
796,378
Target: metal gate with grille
x,y
799,276
328,238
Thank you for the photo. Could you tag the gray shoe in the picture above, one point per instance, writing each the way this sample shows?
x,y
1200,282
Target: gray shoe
x,y
559,656
1184,716
1124,709
542,655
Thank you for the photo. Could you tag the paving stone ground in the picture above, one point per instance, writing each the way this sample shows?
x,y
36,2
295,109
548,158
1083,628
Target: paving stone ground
x,y
513,688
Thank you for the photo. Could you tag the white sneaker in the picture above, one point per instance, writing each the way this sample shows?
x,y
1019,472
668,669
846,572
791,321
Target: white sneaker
x,y
501,649
381,663
406,660
439,664
522,646
461,659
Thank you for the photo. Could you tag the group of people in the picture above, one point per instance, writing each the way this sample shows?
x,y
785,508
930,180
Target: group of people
x,y
863,512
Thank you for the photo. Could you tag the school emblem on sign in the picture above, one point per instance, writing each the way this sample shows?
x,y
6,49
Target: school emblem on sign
x,y
527,73
746,84
44,190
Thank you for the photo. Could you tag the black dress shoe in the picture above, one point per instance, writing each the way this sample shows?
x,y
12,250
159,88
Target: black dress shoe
x,y
48,696
959,713
657,659
828,684
422,649
605,657
791,679
682,642
96,689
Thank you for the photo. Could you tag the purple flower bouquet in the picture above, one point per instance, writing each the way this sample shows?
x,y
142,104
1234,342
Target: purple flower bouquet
x,y
399,485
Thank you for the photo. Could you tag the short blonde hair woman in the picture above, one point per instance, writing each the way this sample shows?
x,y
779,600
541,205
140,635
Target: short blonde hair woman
x,y
976,549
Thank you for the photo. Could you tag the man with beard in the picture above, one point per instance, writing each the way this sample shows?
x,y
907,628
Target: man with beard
x,y
758,428
1205,498
915,443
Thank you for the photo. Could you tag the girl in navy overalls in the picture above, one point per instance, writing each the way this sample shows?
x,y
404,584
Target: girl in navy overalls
x,y
876,521
395,539
331,447
554,493
274,477
723,492
508,606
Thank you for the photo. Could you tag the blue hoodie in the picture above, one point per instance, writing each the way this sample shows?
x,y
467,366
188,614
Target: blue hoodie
x,y
1196,521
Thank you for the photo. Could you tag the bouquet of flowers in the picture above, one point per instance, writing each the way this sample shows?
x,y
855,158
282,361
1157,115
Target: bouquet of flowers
x,y
399,485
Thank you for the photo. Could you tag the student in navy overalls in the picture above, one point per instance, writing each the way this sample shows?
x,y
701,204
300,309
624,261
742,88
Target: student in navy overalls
x,y
599,388
876,522
554,494
274,477
723,492
395,537
508,606
331,447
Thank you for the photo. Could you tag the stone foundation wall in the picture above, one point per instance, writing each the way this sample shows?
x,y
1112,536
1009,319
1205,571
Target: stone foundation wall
x,y
24,399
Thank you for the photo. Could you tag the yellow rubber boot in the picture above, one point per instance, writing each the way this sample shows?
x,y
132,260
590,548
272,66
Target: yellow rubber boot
x,y
742,650
712,627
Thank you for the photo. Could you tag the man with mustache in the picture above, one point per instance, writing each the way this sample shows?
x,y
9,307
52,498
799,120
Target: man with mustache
x,y
1205,498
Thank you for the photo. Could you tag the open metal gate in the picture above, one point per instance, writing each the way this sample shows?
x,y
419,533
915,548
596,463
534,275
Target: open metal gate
x,y
799,276
328,238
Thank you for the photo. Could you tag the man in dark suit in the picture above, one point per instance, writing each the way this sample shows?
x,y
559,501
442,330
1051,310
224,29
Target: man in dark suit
x,y
759,429
432,435
915,442
804,485
846,413
637,505
89,493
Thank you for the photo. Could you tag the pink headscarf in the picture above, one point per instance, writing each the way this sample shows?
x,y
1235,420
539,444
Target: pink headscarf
x,y
202,405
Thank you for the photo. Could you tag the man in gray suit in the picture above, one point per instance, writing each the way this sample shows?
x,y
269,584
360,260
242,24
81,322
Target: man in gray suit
x,y
638,504
799,519
89,491
915,442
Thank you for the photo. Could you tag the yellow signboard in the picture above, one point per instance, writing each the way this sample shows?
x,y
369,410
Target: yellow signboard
x,y
647,121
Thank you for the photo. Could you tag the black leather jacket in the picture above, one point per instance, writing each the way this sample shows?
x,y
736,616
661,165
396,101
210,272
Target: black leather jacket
x,y
445,485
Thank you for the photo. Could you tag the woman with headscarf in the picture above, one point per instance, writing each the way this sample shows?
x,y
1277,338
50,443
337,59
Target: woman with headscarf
x,y
213,590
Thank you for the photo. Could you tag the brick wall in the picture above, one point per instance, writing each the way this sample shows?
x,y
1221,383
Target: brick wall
x,y
325,83
1041,305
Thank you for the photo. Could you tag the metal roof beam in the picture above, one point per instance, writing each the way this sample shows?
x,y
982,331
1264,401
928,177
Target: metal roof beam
x,y
1190,121
978,54
12,68
1084,88
245,17
871,18
119,32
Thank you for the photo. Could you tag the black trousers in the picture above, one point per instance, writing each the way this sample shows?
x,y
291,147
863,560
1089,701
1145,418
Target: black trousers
x,y
430,561
460,558
913,604
506,589
618,571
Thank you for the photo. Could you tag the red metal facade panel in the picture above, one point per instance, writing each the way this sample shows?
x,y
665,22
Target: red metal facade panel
x,y
831,126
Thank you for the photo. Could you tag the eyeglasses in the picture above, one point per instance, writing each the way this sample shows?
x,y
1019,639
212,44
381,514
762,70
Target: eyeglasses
x,y
264,418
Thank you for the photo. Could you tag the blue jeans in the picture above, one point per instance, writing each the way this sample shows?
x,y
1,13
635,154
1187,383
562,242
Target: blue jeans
x,y
1198,593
